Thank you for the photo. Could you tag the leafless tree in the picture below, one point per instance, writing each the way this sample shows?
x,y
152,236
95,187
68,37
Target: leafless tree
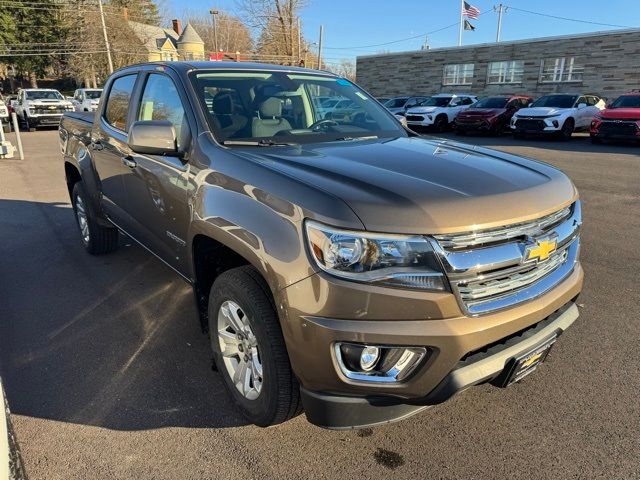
x,y
233,35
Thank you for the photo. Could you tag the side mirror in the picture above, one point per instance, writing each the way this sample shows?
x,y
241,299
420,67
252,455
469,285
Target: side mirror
x,y
582,105
153,137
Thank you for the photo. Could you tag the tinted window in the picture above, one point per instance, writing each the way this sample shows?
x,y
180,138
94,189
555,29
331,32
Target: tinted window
x,y
436,102
491,102
118,102
555,101
626,101
581,100
160,101
395,103
591,100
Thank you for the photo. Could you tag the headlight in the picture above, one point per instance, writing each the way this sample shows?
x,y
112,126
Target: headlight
x,y
383,259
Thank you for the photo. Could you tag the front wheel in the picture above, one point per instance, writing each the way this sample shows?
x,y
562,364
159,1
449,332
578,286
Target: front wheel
x,y
97,239
249,349
567,129
27,125
441,123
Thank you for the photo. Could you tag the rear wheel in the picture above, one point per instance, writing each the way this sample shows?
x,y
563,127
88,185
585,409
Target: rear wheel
x,y
249,349
96,238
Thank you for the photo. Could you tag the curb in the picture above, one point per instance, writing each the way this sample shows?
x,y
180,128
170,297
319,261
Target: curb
x,y
11,466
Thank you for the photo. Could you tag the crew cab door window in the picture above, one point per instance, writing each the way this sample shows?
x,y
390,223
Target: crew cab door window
x,y
161,101
117,108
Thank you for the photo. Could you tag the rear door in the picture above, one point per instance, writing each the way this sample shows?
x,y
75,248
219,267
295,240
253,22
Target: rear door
x,y
157,186
109,147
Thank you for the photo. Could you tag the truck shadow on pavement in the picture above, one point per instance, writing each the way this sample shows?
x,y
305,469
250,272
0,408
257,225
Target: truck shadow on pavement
x,y
111,341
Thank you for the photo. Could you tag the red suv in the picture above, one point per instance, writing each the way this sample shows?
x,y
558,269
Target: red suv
x,y
619,121
490,114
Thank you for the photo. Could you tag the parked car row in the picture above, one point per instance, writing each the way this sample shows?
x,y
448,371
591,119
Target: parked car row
x,y
559,114
40,107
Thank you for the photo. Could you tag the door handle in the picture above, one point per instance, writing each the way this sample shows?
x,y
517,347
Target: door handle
x,y
129,162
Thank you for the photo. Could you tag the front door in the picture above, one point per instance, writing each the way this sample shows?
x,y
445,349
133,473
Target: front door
x,y
157,187
109,148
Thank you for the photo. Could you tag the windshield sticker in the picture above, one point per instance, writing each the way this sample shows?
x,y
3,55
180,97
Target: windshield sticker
x,y
343,81
362,95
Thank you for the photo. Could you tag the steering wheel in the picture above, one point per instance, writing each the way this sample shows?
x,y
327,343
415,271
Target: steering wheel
x,y
317,126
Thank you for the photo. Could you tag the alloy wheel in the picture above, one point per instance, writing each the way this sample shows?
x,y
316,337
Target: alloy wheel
x,y
239,349
83,223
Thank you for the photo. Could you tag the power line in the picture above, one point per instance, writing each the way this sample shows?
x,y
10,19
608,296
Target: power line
x,y
566,18
422,35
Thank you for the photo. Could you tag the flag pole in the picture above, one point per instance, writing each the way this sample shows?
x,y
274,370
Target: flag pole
x,y
461,19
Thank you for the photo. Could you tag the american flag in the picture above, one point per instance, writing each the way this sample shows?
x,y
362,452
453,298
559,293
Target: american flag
x,y
470,11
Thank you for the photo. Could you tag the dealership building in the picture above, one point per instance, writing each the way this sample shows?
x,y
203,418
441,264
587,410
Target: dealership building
x,y
602,63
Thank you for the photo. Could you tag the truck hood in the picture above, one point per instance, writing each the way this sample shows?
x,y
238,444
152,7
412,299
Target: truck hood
x,y
540,111
417,185
620,114
48,103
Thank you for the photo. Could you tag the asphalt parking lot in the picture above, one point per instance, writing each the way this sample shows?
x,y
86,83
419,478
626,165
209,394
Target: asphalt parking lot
x,y
108,375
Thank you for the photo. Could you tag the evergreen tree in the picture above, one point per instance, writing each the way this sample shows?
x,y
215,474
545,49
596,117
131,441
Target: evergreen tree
x,y
143,11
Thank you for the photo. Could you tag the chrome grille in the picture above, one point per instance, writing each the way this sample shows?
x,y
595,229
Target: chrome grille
x,y
487,269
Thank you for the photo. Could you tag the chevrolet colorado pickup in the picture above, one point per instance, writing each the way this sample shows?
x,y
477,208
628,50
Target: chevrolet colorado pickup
x,y
351,268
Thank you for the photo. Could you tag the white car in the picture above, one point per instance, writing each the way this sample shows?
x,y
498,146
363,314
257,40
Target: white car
x,y
4,110
559,114
37,107
86,99
439,111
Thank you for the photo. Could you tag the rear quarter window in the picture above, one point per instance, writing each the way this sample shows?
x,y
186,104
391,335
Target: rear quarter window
x,y
117,108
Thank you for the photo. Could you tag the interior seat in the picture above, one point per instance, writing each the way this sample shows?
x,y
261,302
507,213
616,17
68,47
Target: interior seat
x,y
269,120
224,113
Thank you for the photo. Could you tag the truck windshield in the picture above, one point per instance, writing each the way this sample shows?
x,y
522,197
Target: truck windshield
x,y
93,94
491,102
436,102
396,102
44,95
629,101
555,101
245,106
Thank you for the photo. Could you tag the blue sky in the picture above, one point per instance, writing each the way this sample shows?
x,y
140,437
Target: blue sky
x,y
355,23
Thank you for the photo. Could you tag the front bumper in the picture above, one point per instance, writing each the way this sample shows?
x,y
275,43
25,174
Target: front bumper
x,y
420,119
471,124
343,412
45,120
537,126
321,310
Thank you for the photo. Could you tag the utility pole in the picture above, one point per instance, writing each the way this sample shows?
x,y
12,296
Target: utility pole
x,y
461,23
320,48
215,32
106,39
500,8
299,42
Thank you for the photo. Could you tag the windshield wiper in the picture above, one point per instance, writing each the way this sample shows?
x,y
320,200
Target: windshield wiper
x,y
265,142
348,139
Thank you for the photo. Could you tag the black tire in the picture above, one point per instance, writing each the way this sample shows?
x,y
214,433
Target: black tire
x,y
567,129
441,123
27,125
101,239
279,397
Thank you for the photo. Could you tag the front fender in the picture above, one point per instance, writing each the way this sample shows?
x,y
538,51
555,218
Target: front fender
x,y
264,229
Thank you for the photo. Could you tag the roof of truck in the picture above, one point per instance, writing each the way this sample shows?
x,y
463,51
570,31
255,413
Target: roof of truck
x,y
212,65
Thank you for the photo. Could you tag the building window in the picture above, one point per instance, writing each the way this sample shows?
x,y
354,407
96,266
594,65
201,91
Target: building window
x,y
458,74
506,72
563,69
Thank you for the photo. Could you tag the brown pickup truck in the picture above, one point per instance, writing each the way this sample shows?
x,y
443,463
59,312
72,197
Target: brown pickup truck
x,y
345,266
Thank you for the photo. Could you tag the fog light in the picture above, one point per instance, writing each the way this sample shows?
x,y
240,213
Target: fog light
x,y
555,123
377,363
369,357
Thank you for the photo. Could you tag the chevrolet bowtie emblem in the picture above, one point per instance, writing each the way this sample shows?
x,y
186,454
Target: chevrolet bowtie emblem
x,y
540,249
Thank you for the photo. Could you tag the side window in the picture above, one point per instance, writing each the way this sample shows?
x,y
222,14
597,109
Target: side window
x,y
526,102
514,104
160,101
591,100
117,107
581,100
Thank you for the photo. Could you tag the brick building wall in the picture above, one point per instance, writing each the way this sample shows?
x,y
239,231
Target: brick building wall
x,y
610,61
